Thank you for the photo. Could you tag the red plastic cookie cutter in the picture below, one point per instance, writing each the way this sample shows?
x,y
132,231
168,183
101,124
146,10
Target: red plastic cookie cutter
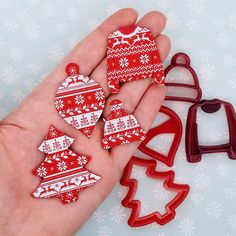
x,y
172,125
194,151
135,205
177,62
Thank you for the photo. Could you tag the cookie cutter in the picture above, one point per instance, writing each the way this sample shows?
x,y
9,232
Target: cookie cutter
x,y
172,125
194,151
168,177
175,62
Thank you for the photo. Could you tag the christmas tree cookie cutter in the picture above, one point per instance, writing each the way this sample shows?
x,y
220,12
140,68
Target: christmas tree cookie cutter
x,y
80,100
182,60
172,125
194,151
135,205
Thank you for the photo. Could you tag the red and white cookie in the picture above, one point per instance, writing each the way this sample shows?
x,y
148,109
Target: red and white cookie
x,y
80,100
121,127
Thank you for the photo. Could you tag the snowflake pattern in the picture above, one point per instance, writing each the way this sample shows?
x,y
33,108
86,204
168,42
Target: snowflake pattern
x,y
173,21
196,7
34,67
218,23
184,43
214,209
59,104
229,61
55,52
104,230
193,25
208,72
99,216
202,181
11,26
16,54
9,75
79,99
144,59
187,227
124,62
232,221
160,193
117,214
73,14
138,172
82,160
41,171
99,95
223,39
229,193
205,55
163,3
49,11
62,27
32,31
222,169
61,165
122,191
18,95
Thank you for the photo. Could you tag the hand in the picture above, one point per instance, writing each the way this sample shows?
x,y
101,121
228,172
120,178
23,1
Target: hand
x,y
22,131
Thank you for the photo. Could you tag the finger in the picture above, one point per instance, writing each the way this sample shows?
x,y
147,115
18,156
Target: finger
x,y
130,93
88,53
145,113
155,21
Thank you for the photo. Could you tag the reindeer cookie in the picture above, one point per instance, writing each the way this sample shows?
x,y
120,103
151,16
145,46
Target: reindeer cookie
x,y
132,54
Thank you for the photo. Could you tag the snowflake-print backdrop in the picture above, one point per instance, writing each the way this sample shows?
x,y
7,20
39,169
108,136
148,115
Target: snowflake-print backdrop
x,y
36,34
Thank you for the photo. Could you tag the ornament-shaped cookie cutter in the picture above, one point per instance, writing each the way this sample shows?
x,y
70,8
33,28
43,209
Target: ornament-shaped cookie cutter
x,y
135,205
194,151
176,62
172,125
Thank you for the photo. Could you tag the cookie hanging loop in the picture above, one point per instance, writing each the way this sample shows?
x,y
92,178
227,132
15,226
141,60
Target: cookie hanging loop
x,y
72,69
180,59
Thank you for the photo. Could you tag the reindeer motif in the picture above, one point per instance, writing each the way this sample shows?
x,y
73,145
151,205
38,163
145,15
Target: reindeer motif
x,y
88,178
91,177
67,184
137,39
47,190
123,41
85,179
145,38
118,42
113,85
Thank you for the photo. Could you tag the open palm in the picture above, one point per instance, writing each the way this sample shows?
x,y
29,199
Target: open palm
x,y
23,130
